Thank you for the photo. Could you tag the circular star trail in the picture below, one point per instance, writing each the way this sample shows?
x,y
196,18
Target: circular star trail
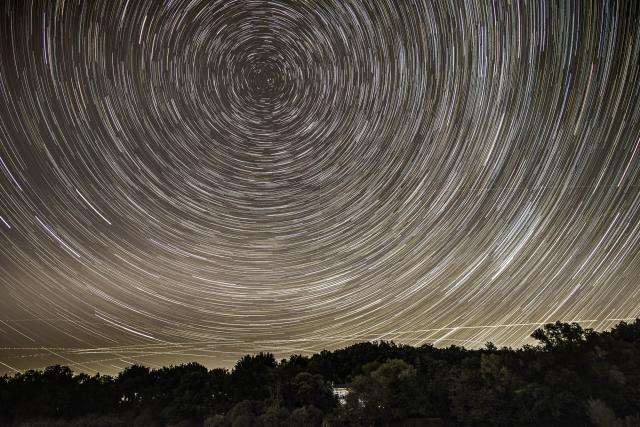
x,y
194,180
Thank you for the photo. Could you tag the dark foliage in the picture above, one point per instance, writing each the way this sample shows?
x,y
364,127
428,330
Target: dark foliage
x,y
575,376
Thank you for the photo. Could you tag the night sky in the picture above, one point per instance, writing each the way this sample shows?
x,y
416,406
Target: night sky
x,y
191,180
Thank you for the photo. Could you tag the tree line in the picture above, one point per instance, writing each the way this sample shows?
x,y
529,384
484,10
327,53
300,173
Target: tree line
x,y
573,376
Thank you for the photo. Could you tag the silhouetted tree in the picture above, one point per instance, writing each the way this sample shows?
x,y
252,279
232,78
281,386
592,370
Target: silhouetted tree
x,y
561,335
253,377
574,377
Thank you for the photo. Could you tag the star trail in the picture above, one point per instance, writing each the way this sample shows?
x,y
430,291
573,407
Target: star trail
x,y
195,180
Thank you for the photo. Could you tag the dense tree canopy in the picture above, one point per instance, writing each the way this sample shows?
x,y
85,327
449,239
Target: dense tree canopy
x,y
574,376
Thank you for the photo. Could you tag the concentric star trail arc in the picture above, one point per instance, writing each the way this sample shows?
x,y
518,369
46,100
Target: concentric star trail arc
x,y
187,180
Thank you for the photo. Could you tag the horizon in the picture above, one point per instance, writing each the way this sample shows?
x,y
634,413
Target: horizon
x,y
286,358
230,362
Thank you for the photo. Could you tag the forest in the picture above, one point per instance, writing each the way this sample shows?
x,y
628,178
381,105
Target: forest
x,y
572,377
